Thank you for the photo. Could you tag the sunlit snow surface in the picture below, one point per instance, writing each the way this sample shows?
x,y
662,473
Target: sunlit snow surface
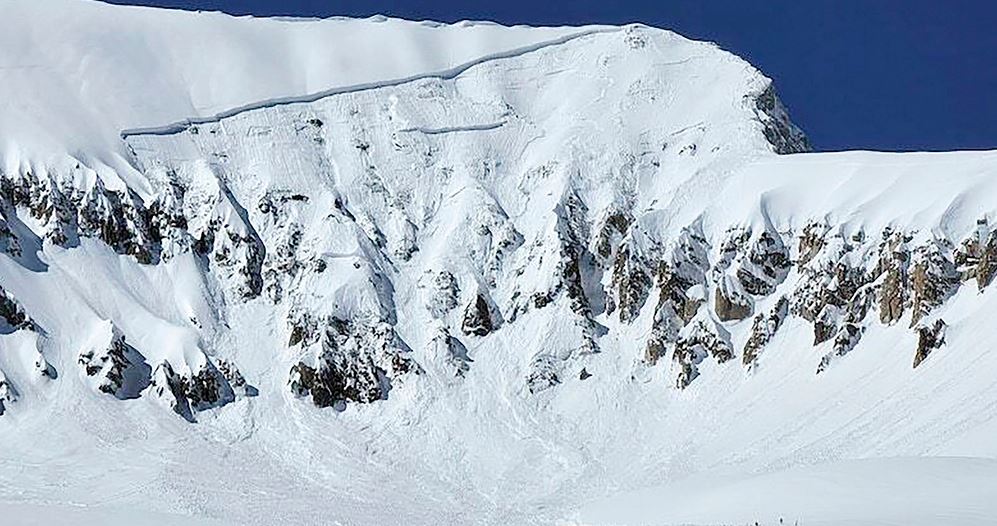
x,y
462,120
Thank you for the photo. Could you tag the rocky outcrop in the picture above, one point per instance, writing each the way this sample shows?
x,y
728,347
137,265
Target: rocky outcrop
x,y
443,294
187,394
929,338
67,213
232,375
826,323
543,374
893,266
337,378
977,257
830,275
12,316
763,328
748,267
118,368
8,394
811,242
844,341
765,266
701,339
934,278
174,222
354,362
562,265
479,317
611,231
842,280
572,231
680,280
731,301
496,240
781,133
238,256
631,284
452,352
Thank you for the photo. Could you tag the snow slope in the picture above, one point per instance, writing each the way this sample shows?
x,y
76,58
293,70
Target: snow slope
x,y
913,490
110,68
384,272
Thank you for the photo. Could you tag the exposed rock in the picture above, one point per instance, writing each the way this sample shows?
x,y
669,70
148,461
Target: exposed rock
x,y
677,276
453,352
188,394
844,341
209,388
12,315
584,374
478,317
731,250
402,241
763,328
811,241
119,369
862,302
765,266
934,278
894,260
443,294
543,374
977,257
826,324
169,387
731,302
572,230
8,394
9,242
67,213
283,263
630,286
929,338
238,256
356,362
830,277
303,329
780,132
338,378
565,245
986,268
613,228
657,346
234,378
497,239
747,268
700,339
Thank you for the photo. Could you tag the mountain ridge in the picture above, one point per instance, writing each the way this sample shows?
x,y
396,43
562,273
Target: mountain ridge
x,y
495,296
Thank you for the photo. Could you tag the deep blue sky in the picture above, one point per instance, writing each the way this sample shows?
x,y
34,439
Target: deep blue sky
x,y
870,74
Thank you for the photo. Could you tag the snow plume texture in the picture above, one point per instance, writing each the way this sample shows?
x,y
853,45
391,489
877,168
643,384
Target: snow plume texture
x,y
379,272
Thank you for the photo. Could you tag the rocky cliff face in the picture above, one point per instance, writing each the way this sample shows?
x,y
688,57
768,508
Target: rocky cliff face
x,y
391,230
470,281
332,214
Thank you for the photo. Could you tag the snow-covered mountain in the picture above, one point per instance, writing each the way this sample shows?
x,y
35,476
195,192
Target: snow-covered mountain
x,y
267,271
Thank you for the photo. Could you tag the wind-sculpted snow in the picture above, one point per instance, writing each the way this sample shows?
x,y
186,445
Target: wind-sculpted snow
x,y
483,293
177,127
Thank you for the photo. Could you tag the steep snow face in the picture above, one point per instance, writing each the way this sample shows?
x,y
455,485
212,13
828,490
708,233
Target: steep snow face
x,y
490,187
458,273
77,72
